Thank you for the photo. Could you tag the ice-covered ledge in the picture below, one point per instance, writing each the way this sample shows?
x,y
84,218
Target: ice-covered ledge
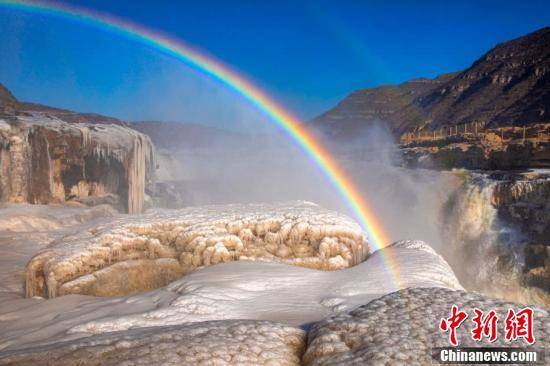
x,y
236,342
235,290
45,159
401,328
273,291
140,253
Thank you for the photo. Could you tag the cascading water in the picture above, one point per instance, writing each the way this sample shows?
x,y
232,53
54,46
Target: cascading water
x,y
486,253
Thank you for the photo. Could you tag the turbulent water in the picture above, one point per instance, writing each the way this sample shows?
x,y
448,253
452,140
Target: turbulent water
x,y
486,253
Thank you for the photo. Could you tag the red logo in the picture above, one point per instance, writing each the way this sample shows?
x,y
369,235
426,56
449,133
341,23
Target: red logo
x,y
517,325
485,326
520,325
452,323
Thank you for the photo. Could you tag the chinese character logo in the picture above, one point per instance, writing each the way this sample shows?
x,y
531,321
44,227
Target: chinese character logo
x,y
517,325
520,325
452,323
485,326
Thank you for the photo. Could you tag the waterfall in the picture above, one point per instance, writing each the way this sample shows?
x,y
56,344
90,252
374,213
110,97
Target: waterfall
x,y
135,172
141,158
473,232
486,253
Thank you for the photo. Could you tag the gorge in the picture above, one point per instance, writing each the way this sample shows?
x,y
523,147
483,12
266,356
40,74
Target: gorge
x,y
173,243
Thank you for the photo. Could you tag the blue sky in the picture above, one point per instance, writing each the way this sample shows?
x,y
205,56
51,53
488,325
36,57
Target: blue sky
x,y
307,54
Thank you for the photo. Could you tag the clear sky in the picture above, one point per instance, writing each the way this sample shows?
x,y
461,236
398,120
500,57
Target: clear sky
x,y
307,54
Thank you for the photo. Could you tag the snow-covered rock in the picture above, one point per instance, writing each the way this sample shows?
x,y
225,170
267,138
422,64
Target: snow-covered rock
x,y
24,218
277,292
234,290
26,229
141,253
44,159
236,342
402,328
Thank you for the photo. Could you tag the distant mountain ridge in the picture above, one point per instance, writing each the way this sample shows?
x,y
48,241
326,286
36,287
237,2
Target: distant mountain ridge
x,y
508,86
9,105
6,98
165,135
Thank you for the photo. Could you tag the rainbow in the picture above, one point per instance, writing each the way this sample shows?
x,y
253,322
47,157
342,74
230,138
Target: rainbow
x,y
217,70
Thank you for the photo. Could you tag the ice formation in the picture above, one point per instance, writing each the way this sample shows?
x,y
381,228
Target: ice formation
x,y
44,159
237,342
276,271
160,246
235,290
25,229
402,328
280,293
24,218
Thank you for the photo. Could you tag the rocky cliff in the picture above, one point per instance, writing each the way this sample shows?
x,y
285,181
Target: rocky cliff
x,y
523,202
50,155
394,105
7,100
503,148
509,85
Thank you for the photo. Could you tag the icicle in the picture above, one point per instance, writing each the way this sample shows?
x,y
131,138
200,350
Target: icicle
x,y
136,177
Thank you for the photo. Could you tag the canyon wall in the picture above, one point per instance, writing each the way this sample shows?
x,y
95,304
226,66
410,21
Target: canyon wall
x,y
501,148
508,86
44,159
492,115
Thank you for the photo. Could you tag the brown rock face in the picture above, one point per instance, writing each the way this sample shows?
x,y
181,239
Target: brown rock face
x,y
45,159
395,105
502,148
525,203
510,85
507,86
6,98
53,155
